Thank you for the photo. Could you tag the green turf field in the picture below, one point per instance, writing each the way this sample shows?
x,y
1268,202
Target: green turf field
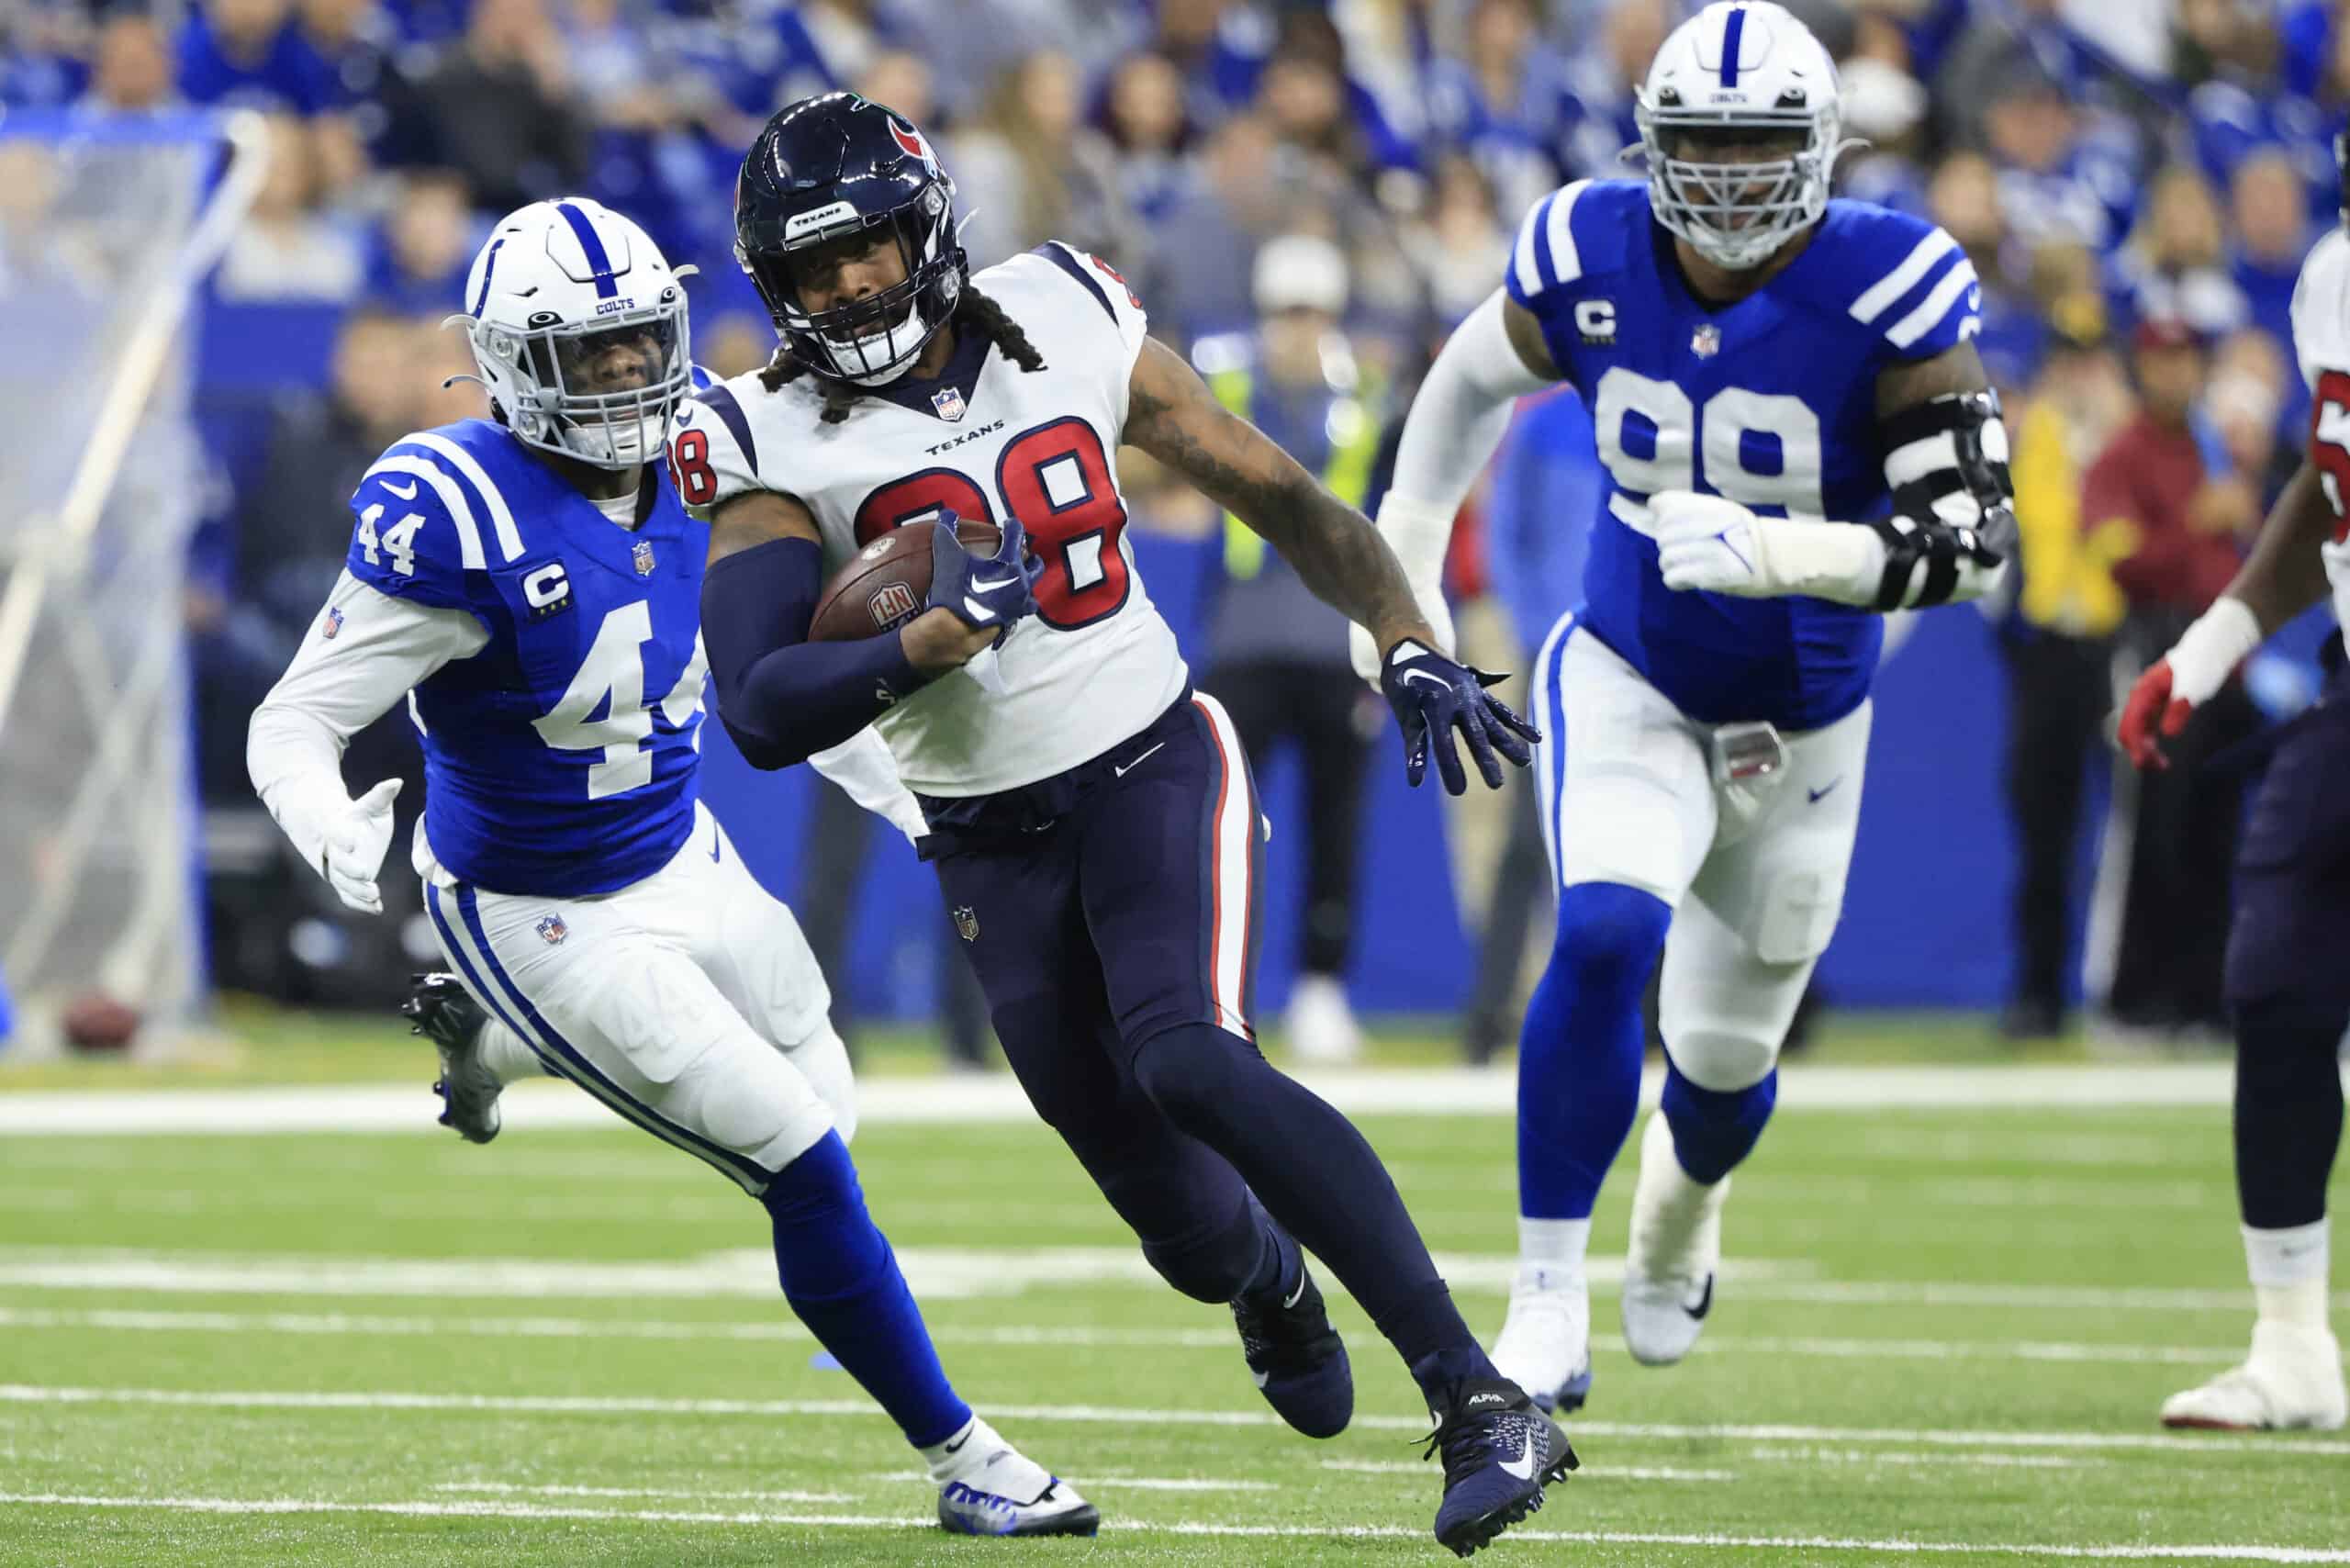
x,y
1941,1331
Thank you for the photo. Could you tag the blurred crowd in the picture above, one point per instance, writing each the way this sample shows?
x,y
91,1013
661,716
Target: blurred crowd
x,y
1308,194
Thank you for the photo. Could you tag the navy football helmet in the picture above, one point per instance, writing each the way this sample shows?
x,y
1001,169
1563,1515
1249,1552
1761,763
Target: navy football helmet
x,y
827,168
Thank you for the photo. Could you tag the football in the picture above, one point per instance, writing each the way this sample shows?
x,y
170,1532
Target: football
x,y
886,583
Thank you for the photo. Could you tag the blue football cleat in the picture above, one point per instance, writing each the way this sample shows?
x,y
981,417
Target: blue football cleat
x,y
1298,1360
1499,1453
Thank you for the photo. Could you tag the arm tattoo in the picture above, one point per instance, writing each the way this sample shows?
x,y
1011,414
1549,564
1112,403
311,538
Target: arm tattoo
x,y
1172,415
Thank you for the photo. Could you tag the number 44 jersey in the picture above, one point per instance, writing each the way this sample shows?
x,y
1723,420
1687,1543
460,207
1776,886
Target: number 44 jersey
x,y
985,439
560,756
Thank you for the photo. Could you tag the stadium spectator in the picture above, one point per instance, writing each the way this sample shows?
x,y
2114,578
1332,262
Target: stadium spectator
x,y
499,108
2186,515
2054,183
353,39
1144,116
1507,102
1459,246
2056,640
1964,199
1229,196
1885,107
1030,170
423,245
1605,81
1277,655
288,248
2173,266
131,70
249,54
2272,233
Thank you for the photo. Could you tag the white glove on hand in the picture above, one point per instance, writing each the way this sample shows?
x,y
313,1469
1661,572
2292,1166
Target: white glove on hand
x,y
353,852
1715,545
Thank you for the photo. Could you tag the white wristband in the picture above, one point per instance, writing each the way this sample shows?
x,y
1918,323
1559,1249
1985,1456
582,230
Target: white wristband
x,y
2221,639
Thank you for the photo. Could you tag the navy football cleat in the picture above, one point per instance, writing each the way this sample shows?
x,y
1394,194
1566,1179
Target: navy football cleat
x,y
1499,1453
1298,1360
439,1008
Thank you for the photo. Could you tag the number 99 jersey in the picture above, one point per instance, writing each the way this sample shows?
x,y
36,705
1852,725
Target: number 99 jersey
x,y
1770,401
985,439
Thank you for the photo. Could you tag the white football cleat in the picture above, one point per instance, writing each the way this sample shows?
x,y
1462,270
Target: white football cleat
x,y
994,1489
440,1008
2292,1379
1321,1025
1545,1344
1675,1251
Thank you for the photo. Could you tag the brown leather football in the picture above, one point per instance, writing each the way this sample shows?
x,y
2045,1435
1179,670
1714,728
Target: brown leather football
x,y
886,583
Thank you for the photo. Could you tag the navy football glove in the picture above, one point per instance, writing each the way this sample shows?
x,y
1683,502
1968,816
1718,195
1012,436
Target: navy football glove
x,y
983,591
1432,696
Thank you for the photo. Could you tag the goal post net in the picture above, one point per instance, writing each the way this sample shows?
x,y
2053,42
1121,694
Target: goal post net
x,y
107,230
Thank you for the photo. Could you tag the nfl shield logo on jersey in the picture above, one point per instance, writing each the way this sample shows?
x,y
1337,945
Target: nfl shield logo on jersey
x,y
551,930
643,556
333,627
967,922
948,401
1706,341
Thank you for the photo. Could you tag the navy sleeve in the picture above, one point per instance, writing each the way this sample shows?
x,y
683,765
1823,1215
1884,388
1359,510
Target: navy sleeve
x,y
782,698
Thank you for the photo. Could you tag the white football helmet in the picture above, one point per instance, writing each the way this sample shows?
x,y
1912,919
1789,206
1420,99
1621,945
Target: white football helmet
x,y
1738,73
579,328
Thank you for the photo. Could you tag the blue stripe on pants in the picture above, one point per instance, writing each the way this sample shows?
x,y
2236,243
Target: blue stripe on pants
x,y
565,1058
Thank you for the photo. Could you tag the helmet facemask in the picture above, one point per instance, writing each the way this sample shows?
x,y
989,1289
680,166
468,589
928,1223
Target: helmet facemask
x,y
873,341
601,390
1737,213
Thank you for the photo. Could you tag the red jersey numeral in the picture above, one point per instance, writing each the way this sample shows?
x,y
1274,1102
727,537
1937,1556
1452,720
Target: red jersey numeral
x,y
2329,443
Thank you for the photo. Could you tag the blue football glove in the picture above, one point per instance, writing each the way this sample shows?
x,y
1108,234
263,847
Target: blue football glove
x,y
1432,696
983,591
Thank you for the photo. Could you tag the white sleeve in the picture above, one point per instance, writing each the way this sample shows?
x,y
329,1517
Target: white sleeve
x,y
862,766
1457,420
368,651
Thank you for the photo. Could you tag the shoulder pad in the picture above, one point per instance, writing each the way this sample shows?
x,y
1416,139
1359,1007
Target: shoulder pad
x,y
429,511
1904,278
1584,230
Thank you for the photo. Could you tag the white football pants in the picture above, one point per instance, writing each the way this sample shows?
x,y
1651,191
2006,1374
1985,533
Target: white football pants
x,y
687,1002
1755,883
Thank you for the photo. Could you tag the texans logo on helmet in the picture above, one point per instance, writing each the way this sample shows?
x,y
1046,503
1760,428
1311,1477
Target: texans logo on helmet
x,y
911,140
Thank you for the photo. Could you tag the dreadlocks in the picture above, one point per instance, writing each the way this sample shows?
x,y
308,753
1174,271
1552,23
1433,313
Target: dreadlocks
x,y
975,313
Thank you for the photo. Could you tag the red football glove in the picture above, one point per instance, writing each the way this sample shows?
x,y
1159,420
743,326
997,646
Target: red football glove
x,y
2150,708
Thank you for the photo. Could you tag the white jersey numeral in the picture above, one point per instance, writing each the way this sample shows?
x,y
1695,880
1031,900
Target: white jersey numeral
x,y
1733,431
399,540
1084,557
612,679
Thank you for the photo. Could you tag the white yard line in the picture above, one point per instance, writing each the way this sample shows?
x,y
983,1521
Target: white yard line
x,y
2124,1552
408,1108
516,1488
1588,1472
373,1325
590,1404
1932,1461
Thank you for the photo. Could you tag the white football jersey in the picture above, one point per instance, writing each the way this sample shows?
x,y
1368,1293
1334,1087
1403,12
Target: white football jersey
x,y
2321,341
985,439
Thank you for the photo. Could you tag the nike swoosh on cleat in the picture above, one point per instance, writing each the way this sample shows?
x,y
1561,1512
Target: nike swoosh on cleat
x,y
1298,1294
407,495
1522,1466
956,1446
1122,772
1821,794
1705,1302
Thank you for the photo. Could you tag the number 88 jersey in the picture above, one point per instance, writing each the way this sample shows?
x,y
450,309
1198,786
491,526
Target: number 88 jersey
x,y
2322,343
984,439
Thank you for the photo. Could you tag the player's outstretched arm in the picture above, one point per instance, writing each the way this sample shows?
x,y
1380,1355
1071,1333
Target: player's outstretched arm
x,y
367,651
1457,420
2284,575
1173,416
782,698
1950,534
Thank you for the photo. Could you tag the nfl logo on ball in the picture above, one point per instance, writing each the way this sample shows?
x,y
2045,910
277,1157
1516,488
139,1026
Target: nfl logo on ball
x,y
889,604
1706,341
551,930
643,556
949,403
967,922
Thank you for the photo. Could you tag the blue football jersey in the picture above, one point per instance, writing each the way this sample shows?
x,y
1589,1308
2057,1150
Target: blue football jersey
x,y
1770,401
563,758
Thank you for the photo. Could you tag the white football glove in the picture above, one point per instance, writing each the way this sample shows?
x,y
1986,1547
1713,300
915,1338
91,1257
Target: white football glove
x,y
1715,545
352,854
